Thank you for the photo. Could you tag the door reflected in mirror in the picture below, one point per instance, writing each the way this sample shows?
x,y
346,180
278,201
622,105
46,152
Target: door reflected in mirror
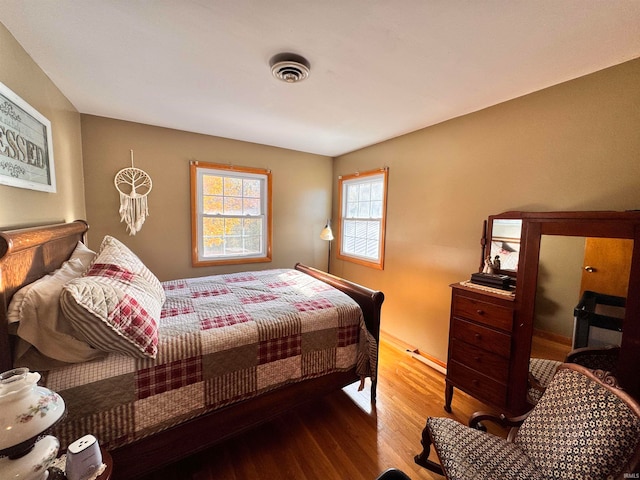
x,y
569,266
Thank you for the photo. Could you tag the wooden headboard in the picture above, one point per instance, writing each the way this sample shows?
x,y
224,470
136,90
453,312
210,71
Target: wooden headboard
x,y
27,254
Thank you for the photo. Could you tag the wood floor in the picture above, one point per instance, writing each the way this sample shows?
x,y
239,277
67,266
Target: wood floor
x,y
340,435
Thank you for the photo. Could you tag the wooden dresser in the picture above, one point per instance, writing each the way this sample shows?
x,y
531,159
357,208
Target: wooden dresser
x,y
480,346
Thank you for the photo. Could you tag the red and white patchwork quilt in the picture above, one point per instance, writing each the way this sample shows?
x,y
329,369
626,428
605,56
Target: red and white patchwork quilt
x,y
221,339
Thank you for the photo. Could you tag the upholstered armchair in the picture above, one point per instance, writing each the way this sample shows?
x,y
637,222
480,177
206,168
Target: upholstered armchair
x,y
583,427
541,370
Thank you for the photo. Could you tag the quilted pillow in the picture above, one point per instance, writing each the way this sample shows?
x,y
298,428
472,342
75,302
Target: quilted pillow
x,y
113,252
116,305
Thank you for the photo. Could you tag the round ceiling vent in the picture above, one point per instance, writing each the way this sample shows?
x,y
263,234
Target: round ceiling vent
x,y
289,67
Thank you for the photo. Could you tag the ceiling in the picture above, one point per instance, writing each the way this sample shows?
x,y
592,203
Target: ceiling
x,y
379,69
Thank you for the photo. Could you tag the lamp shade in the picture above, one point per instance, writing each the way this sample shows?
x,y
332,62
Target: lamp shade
x,y
26,410
327,233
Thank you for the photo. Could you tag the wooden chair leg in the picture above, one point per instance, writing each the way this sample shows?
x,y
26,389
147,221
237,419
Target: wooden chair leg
x,y
422,458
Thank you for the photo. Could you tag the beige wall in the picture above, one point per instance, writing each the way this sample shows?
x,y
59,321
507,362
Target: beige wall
x,y
19,206
301,193
574,146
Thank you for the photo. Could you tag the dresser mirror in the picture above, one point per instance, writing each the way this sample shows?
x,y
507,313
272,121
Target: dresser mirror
x,y
502,241
556,269
567,268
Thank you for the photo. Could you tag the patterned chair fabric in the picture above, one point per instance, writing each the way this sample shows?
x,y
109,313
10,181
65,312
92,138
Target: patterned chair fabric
x,y
469,454
596,358
542,370
580,429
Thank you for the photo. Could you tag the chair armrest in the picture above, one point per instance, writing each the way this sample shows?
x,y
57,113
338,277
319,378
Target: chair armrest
x,y
512,423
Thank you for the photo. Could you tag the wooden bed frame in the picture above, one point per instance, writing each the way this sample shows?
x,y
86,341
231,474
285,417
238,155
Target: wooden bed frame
x,y
27,254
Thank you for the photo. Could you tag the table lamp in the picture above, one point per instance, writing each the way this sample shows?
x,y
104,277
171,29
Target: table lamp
x,y
27,411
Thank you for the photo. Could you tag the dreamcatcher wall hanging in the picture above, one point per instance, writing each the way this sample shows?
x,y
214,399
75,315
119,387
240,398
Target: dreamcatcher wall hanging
x,y
133,185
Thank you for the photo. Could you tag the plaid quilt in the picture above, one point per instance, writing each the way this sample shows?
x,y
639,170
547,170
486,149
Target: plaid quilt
x,y
222,339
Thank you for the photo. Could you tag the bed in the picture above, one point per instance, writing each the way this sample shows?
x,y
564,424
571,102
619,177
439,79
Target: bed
x,y
29,254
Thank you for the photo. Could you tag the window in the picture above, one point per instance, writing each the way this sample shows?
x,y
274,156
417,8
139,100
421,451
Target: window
x,y
230,214
363,205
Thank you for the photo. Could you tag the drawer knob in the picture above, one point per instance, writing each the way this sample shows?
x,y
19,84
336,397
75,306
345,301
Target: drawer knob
x,y
478,336
476,359
480,312
475,382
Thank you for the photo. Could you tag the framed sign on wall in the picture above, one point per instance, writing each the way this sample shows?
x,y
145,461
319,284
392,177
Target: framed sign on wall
x,y
26,145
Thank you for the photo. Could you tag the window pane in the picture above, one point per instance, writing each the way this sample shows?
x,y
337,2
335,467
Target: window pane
x,y
251,206
251,188
352,210
372,249
373,230
361,229
363,209
376,209
233,245
252,244
233,186
212,185
377,190
212,227
232,206
232,226
212,248
365,192
350,245
253,226
359,246
212,204
352,193
349,228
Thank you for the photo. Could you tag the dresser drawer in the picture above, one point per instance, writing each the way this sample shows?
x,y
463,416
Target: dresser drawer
x,y
484,362
483,312
478,385
483,337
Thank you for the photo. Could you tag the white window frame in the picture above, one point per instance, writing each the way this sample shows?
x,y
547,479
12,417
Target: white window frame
x,y
355,227
198,171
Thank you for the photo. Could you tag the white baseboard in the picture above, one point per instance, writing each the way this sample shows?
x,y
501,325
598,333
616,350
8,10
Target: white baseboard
x,y
414,353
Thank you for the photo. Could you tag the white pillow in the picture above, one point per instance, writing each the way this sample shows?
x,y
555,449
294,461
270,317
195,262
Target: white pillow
x,y
84,254
75,267
43,326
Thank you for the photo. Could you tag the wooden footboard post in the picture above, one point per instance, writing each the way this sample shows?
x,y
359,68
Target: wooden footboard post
x,y
370,302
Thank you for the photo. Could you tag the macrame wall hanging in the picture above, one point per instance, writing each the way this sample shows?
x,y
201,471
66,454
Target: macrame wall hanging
x,y
134,185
